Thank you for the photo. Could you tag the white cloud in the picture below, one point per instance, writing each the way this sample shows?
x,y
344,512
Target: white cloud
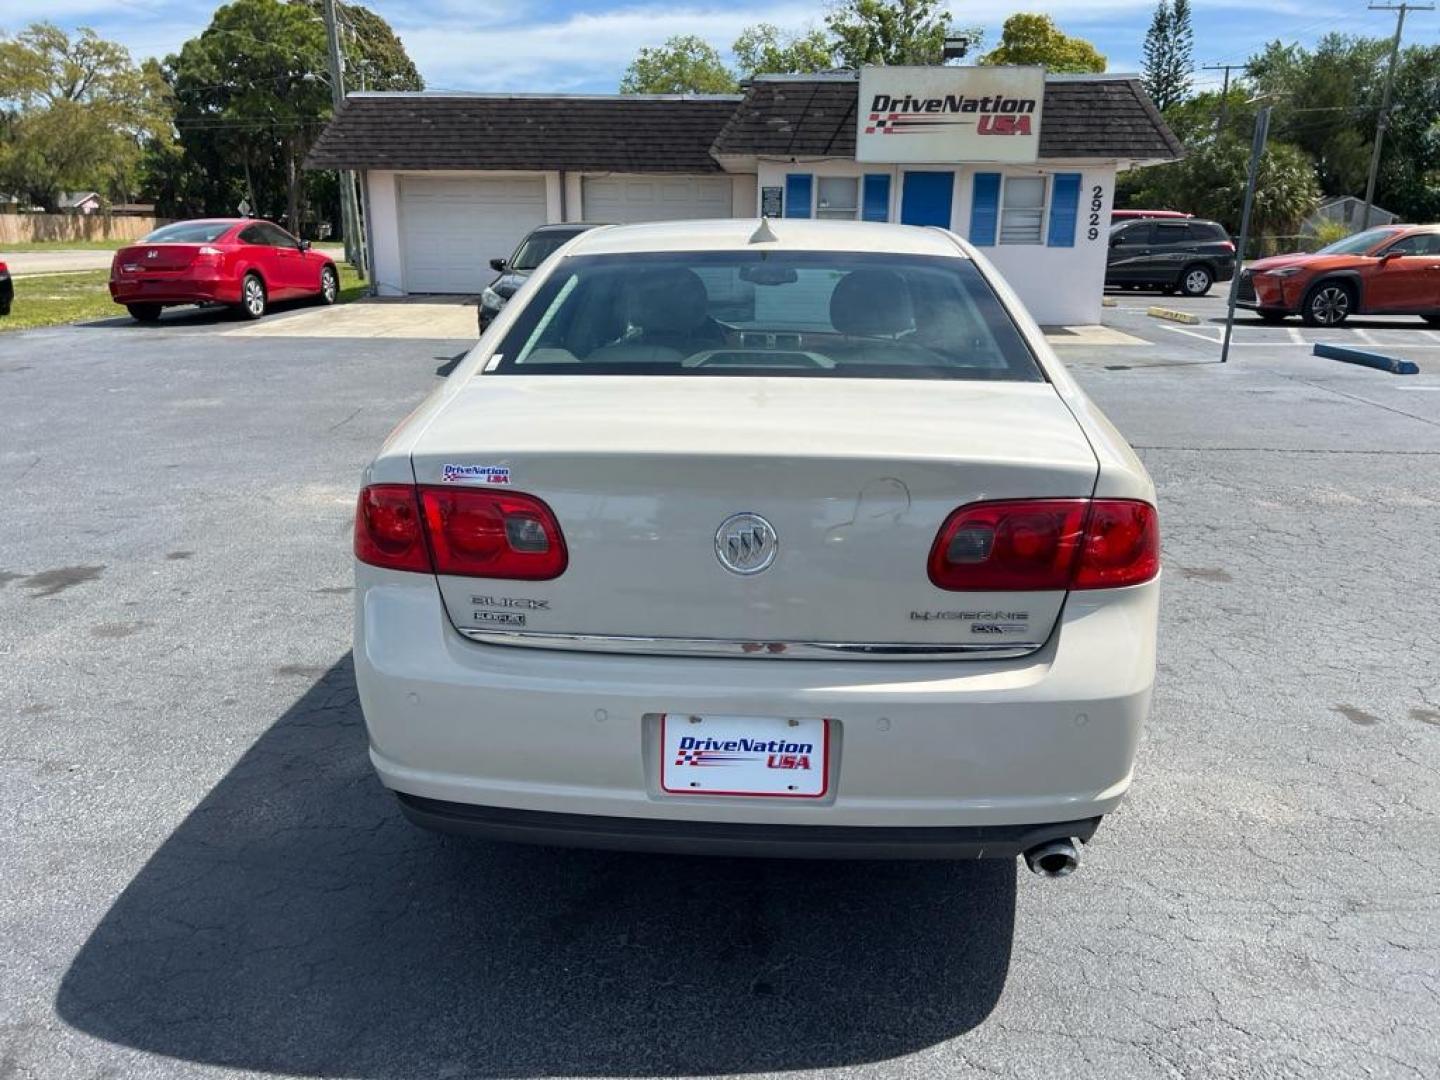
x,y
539,46
583,50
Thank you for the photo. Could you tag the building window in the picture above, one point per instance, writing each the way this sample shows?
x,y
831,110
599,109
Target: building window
x,y
1022,212
838,197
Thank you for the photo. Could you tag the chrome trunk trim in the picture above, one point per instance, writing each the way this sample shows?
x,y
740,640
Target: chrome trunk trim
x,y
735,648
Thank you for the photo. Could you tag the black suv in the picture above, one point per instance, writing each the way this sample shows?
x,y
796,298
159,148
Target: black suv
x,y
533,250
1185,256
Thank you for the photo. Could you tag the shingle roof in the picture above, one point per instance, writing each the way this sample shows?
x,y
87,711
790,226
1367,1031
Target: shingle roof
x,y
1082,118
476,131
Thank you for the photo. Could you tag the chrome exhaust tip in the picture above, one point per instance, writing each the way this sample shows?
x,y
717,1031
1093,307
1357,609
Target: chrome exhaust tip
x,y
1056,858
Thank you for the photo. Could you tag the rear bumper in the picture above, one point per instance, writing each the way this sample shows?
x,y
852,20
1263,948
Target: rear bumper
x,y
979,744
723,838
187,291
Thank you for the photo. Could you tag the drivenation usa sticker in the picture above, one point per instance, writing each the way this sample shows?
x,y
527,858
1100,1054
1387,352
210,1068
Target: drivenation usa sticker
x,y
475,474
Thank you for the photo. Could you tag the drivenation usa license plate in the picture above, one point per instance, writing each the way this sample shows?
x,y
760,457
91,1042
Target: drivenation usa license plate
x,y
775,757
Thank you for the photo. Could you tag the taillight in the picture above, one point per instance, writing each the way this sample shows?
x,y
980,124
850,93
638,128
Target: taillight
x,y
1228,245
208,253
388,532
462,531
1122,545
1046,544
478,533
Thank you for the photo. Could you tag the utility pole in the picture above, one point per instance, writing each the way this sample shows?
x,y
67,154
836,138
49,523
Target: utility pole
x,y
1384,121
1257,151
349,218
1224,92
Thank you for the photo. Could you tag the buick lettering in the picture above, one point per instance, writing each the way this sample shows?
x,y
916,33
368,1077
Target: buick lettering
x,y
785,538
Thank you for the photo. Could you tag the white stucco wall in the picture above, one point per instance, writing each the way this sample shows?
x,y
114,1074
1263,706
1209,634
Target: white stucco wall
x,y
1061,286
382,203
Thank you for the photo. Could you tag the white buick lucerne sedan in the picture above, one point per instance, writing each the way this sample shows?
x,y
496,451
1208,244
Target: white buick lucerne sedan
x,y
769,538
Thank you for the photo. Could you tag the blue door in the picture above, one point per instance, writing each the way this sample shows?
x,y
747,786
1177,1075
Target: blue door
x,y
926,197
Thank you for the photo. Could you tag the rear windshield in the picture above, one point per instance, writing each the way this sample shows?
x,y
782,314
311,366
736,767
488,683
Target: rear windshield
x,y
189,232
812,314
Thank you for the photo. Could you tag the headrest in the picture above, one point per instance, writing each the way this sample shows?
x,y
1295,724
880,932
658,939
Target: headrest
x,y
667,301
872,302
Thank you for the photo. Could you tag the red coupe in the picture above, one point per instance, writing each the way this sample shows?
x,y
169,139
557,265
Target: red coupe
x,y
239,261
1393,270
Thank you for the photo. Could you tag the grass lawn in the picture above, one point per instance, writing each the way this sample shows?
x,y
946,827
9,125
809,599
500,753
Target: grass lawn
x,y
54,299
62,245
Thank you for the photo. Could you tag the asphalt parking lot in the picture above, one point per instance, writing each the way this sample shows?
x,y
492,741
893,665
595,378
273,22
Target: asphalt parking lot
x,y
1401,336
200,876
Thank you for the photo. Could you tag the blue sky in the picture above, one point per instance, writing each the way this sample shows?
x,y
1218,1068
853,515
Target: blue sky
x,y
583,45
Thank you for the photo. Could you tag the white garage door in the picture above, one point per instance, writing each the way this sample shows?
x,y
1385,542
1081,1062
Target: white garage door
x,y
623,199
450,228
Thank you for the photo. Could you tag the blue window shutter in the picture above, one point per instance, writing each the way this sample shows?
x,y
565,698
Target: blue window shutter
x,y
876,206
1064,209
797,194
927,198
985,209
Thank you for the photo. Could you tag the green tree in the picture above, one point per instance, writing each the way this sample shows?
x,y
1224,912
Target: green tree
x,y
684,64
892,32
1035,39
1328,102
762,50
1410,161
252,94
81,111
1210,182
1169,44
375,59
1197,118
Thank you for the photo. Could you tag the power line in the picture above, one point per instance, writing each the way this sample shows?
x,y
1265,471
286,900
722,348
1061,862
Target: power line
x,y
1224,92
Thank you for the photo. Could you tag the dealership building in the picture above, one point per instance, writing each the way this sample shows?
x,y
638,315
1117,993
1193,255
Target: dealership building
x,y
1020,163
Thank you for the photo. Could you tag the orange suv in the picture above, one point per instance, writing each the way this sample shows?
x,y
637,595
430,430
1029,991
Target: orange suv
x,y
1394,270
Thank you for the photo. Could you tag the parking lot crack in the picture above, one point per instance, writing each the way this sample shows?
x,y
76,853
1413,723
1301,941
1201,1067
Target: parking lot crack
x,y
1361,400
342,423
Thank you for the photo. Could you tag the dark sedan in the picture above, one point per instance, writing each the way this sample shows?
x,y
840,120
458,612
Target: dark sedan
x,y
538,246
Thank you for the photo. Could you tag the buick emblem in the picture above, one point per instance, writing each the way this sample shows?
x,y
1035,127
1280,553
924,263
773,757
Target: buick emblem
x,y
152,254
746,544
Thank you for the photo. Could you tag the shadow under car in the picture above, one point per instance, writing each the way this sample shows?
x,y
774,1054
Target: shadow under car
x,y
295,923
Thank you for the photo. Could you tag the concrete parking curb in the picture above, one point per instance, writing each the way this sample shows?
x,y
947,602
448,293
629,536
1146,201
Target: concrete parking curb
x,y
1109,301
1367,359
1171,315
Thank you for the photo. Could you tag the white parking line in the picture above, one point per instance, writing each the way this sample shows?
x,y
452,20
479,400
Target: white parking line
x,y
1296,340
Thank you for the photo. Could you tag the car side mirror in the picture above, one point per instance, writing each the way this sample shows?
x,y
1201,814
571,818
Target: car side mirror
x,y
304,245
498,265
1387,256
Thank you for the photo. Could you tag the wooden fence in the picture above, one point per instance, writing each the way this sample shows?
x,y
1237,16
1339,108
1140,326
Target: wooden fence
x,y
60,228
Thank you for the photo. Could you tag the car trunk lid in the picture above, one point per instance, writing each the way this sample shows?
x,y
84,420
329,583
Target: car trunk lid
x,y
855,477
155,258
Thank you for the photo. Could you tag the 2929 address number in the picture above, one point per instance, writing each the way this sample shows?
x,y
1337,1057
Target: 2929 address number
x,y
1097,200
